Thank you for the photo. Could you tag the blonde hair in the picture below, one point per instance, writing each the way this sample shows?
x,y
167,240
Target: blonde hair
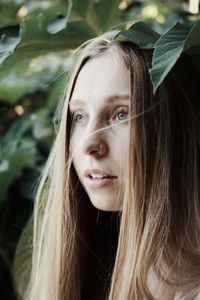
x,y
160,220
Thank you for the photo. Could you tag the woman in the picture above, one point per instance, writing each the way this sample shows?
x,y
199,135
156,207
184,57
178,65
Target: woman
x,y
117,214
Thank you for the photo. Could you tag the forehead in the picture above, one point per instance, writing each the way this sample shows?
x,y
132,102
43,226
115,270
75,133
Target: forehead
x,y
100,77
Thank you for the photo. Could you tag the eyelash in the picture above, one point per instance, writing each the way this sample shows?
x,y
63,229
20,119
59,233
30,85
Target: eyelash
x,y
116,112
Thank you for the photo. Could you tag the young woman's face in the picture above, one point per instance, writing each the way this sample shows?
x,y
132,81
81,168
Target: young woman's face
x,y
99,144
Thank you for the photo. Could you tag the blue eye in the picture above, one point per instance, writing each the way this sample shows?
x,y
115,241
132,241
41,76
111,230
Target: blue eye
x,y
78,118
121,114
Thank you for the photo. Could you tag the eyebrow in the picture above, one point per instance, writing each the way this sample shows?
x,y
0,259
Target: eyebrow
x,y
112,99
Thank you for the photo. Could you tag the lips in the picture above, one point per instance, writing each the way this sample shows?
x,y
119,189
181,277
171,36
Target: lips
x,y
106,180
90,172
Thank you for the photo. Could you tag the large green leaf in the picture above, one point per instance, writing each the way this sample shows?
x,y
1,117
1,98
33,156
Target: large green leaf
x,y
56,31
36,37
104,13
61,22
140,34
81,7
169,48
99,14
35,40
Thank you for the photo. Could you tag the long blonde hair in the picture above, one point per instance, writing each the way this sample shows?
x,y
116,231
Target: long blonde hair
x,y
158,229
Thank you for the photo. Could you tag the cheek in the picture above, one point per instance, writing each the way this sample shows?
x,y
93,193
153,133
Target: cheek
x,y
76,140
74,153
77,166
122,149
73,148
123,140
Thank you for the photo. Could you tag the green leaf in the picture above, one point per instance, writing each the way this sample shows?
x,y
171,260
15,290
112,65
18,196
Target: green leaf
x,y
55,31
9,39
13,87
35,34
99,14
57,25
23,258
14,158
140,34
61,22
16,131
59,88
169,48
36,40
37,75
104,13
81,7
41,125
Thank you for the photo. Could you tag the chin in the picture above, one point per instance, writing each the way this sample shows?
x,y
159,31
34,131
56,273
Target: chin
x,y
105,205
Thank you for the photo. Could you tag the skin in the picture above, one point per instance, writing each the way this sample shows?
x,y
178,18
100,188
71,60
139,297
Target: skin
x,y
101,98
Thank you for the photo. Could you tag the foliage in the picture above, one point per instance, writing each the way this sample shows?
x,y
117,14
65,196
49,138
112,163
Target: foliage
x,y
36,42
177,40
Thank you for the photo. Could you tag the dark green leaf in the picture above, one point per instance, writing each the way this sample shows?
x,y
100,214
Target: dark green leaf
x,y
169,48
140,34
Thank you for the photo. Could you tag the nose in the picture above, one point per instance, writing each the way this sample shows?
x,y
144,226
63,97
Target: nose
x,y
96,147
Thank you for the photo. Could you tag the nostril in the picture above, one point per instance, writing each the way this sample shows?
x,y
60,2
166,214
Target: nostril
x,y
95,148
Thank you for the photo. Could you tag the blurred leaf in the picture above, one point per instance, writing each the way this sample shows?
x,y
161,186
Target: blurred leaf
x,y
17,155
60,84
13,87
57,93
104,13
29,78
98,14
81,7
169,48
61,22
35,40
51,31
41,125
8,12
23,258
17,130
8,41
37,7
57,25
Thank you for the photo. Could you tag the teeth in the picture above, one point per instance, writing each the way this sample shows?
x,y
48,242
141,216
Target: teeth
x,y
97,176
